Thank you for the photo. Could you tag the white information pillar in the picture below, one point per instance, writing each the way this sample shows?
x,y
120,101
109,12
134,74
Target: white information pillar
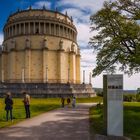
x,y
113,104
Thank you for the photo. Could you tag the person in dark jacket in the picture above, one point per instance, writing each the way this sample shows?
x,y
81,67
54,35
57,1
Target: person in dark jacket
x,y
63,101
8,106
68,102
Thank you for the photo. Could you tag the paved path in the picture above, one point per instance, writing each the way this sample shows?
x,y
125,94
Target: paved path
x,y
60,124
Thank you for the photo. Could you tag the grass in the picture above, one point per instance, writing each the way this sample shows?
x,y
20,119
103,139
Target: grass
x,y
38,106
96,99
131,120
96,120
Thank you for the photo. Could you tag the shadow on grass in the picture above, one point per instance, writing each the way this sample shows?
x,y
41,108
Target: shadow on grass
x,y
131,120
96,121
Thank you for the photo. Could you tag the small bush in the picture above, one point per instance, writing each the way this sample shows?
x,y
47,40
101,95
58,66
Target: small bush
x,y
138,97
129,98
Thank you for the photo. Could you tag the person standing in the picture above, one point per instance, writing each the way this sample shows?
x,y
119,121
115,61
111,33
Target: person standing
x,y
26,102
8,106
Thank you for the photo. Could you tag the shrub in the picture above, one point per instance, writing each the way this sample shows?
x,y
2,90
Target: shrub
x,y
129,98
138,97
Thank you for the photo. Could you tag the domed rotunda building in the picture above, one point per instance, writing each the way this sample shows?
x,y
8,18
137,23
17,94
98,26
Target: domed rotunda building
x,y
40,51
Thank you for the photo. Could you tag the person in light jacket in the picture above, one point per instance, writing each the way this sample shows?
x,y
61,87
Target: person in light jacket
x,y
26,102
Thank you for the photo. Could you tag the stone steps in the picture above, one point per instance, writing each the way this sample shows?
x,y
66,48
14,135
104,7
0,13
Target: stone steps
x,y
47,89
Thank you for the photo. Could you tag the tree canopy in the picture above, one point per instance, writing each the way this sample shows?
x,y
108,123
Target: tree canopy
x,y
117,42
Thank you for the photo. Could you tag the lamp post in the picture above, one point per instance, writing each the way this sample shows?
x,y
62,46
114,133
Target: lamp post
x,y
68,75
90,76
46,74
83,76
23,75
2,76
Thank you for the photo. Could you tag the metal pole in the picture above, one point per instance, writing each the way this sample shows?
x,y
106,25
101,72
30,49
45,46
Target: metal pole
x,y
46,74
2,76
83,76
90,78
68,75
23,75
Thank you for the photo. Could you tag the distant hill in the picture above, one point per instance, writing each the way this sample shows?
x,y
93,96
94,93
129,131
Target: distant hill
x,y
125,91
130,91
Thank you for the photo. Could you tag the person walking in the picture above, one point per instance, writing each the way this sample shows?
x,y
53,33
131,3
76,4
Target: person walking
x,y
74,102
68,102
26,102
63,101
8,106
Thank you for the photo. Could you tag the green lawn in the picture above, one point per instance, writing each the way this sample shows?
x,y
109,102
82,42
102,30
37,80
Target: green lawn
x,y
96,99
38,106
131,120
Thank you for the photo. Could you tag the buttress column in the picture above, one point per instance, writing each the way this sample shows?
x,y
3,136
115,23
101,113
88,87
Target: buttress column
x,y
72,64
45,61
12,65
27,61
60,62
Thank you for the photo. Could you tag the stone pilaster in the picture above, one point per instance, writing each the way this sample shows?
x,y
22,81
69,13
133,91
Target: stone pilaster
x,y
72,67
45,64
12,65
3,68
60,65
78,69
27,64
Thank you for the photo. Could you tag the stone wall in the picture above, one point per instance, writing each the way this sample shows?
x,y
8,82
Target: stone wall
x,y
47,90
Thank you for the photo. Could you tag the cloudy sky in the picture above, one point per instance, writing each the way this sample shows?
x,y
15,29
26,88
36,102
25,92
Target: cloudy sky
x,y
80,10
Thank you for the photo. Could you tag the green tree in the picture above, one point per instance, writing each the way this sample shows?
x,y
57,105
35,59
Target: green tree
x,y
117,42
138,90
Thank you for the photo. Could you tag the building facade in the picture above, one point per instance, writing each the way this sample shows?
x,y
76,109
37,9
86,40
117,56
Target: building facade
x,y
40,46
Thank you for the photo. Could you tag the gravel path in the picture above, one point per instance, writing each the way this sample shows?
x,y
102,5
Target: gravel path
x,y
61,124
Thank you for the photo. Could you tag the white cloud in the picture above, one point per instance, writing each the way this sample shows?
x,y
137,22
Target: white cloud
x,y
77,14
40,4
88,57
87,6
1,38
